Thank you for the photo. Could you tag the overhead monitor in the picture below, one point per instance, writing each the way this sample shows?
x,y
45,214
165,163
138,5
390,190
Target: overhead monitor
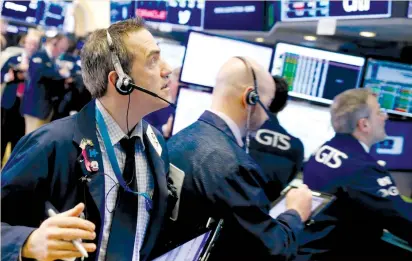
x,y
314,74
396,149
175,12
302,10
235,15
190,105
410,9
121,10
206,53
54,13
392,82
26,11
310,123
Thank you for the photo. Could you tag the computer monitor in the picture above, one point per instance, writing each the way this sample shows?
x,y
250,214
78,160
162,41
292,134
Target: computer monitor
x,y
396,149
26,11
308,122
392,82
190,105
315,74
206,53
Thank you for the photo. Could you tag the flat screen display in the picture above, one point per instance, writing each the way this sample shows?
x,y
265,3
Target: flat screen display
x,y
310,123
190,105
410,9
206,53
396,149
121,10
315,74
303,10
177,12
54,14
392,83
235,15
26,11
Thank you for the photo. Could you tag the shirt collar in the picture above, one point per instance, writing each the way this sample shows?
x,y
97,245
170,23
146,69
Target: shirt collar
x,y
49,53
232,126
114,130
364,146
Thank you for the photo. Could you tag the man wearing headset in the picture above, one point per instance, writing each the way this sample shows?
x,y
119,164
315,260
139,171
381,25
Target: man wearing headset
x,y
223,181
279,154
104,163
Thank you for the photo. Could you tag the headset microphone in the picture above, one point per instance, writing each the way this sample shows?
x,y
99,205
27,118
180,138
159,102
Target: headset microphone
x,y
124,84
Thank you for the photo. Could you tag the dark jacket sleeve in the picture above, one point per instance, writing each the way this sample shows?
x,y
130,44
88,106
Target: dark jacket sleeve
x,y
300,153
377,191
241,196
22,184
5,69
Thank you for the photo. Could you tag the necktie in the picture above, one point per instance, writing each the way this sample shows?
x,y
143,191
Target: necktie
x,y
123,229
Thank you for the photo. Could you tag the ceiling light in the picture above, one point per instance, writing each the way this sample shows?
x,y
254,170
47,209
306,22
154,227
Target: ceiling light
x,y
310,38
260,40
367,34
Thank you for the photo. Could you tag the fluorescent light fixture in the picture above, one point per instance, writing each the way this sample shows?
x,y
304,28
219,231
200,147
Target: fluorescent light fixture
x,y
310,38
367,34
260,40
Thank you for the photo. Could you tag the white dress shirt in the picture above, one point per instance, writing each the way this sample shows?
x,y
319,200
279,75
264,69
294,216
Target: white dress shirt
x,y
144,179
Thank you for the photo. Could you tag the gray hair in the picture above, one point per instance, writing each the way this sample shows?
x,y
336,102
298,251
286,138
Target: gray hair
x,y
96,58
348,108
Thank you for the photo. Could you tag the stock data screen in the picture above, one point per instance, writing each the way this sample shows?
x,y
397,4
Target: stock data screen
x,y
178,12
410,9
396,149
121,10
392,82
314,74
54,13
27,11
343,9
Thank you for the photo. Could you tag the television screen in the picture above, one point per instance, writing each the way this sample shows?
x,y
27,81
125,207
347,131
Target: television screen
x,y
121,10
54,14
392,83
410,9
190,105
299,10
310,123
206,53
396,149
26,11
315,74
235,15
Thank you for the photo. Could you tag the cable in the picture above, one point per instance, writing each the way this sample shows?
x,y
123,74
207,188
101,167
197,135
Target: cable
x,y
127,117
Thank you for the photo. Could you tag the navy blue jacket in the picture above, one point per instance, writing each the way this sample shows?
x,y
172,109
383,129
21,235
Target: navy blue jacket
x,y
222,181
43,85
279,154
367,202
48,165
9,94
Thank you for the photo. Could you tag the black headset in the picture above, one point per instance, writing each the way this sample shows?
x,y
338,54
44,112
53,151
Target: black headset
x,y
252,97
124,83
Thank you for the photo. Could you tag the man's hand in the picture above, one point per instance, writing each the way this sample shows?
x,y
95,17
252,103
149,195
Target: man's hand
x,y
300,199
52,240
10,76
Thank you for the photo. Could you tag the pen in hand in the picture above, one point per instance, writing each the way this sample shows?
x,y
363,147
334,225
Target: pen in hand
x,y
77,242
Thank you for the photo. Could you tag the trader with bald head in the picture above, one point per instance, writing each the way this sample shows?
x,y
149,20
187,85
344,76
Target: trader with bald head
x,y
223,181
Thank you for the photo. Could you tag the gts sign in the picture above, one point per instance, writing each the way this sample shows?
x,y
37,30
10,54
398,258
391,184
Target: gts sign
x,y
356,5
329,156
274,139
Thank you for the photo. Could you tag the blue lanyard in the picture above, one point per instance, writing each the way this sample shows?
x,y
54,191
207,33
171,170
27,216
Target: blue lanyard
x,y
113,160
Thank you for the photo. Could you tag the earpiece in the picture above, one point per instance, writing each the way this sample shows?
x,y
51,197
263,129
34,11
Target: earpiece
x,y
124,82
252,97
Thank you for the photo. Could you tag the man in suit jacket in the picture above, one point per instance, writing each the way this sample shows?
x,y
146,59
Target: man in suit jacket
x,y
13,76
45,83
279,154
74,163
368,200
223,181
